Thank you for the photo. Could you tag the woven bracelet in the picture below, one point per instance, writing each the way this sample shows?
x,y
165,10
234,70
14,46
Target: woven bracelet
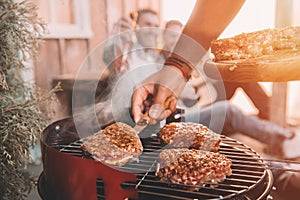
x,y
181,65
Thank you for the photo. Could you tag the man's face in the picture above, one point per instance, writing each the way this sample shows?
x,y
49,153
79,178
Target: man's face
x,y
146,29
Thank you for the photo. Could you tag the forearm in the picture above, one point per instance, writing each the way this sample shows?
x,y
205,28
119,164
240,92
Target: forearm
x,y
207,21
210,18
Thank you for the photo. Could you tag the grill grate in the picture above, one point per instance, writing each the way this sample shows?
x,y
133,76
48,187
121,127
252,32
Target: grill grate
x,y
248,172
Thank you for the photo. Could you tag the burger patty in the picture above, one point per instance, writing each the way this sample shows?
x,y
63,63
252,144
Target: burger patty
x,y
256,44
192,166
117,144
190,135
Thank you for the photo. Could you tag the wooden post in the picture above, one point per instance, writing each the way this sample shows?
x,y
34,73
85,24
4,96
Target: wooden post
x,y
278,104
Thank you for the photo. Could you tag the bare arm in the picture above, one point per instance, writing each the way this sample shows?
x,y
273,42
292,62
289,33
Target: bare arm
x,y
207,21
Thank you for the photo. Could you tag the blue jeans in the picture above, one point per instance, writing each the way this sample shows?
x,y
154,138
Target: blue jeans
x,y
223,117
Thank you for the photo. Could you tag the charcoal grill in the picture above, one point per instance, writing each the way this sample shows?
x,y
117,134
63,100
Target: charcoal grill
x,y
69,174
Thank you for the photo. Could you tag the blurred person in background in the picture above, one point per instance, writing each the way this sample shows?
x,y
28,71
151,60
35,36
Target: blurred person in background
x,y
131,54
136,40
133,44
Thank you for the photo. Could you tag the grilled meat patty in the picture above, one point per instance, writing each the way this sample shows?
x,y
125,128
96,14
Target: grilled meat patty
x,y
192,166
256,43
190,135
117,144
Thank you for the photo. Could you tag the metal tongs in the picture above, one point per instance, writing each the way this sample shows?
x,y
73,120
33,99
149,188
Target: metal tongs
x,y
145,120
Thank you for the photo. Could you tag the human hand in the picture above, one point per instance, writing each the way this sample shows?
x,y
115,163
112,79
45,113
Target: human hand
x,y
122,25
164,87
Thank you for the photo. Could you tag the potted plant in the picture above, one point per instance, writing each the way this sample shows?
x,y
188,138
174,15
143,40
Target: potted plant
x,y
21,117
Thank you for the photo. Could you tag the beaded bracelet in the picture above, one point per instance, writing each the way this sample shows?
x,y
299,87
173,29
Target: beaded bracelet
x,y
181,65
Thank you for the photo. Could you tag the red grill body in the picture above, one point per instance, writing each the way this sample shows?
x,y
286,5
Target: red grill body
x,y
71,177
69,174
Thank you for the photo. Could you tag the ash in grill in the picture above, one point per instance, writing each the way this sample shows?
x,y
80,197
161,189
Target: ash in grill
x,y
249,178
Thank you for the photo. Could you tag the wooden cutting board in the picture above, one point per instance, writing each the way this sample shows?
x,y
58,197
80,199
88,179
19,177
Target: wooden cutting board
x,y
281,66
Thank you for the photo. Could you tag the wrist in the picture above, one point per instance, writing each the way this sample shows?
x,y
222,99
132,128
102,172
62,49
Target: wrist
x,y
181,64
